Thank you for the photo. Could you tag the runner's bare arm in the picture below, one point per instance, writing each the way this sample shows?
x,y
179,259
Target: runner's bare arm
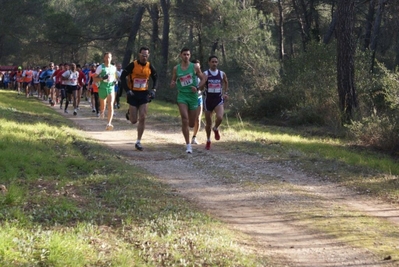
x,y
201,75
173,81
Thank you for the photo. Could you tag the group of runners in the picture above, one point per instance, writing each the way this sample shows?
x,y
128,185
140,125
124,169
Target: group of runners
x,y
102,85
196,91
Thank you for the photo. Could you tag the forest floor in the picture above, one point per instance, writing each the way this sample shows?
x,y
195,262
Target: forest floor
x,y
266,200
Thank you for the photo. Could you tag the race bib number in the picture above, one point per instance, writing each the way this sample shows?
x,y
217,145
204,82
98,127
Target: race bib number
x,y
214,88
140,83
186,80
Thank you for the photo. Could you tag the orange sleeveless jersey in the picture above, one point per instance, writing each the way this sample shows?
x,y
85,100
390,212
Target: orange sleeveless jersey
x,y
28,76
19,78
94,86
138,79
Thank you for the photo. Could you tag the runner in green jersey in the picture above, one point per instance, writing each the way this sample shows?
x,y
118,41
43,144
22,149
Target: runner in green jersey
x,y
185,76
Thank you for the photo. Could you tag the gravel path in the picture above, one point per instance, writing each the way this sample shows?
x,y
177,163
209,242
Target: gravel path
x,y
249,193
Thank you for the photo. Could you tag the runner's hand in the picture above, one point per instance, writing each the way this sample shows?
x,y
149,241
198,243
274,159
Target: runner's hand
x,y
151,94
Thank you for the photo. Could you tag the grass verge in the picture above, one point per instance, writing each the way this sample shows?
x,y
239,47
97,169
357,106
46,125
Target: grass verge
x,y
73,202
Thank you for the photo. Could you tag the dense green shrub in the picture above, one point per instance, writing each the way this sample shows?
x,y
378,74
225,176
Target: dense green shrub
x,y
307,91
377,123
381,132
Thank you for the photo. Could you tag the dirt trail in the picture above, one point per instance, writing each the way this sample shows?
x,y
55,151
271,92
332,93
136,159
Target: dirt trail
x,y
246,191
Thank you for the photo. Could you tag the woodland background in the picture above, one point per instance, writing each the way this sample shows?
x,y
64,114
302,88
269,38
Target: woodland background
x,y
331,64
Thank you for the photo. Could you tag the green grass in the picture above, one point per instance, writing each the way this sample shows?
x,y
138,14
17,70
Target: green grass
x,y
73,202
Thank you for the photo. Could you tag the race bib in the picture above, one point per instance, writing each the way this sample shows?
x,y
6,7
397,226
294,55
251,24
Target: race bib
x,y
139,83
214,88
186,80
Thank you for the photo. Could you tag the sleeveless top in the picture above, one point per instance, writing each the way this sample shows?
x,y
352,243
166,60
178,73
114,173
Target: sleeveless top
x,y
186,79
214,84
138,79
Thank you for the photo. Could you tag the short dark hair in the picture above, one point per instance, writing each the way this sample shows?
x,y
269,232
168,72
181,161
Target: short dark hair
x,y
184,49
145,48
213,56
195,61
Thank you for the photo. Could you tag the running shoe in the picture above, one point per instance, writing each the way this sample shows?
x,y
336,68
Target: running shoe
x,y
194,141
216,132
138,146
189,149
208,145
75,112
109,127
93,110
65,111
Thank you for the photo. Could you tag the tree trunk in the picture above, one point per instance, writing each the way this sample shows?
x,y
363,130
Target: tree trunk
x,y
224,56
397,52
132,35
281,28
242,4
308,16
201,55
346,58
331,29
214,47
1,45
369,24
376,31
154,13
165,5
302,25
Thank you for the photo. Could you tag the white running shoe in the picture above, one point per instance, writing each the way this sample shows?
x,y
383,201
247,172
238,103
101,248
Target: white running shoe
x,y
194,141
189,150
109,127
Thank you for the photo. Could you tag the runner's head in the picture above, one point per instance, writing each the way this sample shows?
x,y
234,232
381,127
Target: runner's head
x,y
185,54
144,53
107,57
213,62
